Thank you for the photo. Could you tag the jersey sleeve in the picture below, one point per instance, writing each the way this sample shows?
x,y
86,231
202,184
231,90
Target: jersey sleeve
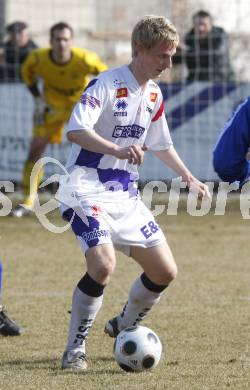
x,y
158,135
88,110
29,68
229,155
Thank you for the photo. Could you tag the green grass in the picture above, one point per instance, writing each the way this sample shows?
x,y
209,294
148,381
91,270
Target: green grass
x,y
203,319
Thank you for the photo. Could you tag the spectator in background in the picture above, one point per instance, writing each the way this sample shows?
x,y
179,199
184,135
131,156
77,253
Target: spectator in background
x,y
205,51
64,71
14,51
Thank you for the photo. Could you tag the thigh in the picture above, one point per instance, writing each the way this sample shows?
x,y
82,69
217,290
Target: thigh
x,y
53,125
135,226
157,262
94,238
37,147
53,132
90,230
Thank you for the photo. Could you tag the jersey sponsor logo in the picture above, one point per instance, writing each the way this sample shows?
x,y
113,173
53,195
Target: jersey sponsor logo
x,y
94,234
90,101
153,97
149,229
129,131
121,105
121,93
118,113
148,109
118,83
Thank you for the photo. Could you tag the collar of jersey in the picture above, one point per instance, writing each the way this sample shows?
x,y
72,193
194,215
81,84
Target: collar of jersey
x,y
58,64
132,82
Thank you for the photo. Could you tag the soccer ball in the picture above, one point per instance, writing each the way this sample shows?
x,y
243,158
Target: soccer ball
x,y
137,348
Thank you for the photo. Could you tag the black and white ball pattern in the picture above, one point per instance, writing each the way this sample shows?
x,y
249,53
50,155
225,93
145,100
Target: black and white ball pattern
x,y
137,348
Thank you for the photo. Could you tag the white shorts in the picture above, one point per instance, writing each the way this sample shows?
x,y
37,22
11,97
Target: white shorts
x,y
125,224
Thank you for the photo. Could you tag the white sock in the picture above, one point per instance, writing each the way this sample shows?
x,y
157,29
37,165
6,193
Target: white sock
x,y
140,301
84,311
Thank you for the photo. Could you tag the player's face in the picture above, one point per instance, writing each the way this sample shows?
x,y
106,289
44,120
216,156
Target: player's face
x,y
153,62
61,43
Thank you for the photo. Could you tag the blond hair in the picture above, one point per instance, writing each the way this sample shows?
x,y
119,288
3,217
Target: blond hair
x,y
151,30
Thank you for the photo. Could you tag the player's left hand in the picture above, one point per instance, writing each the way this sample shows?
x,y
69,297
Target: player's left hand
x,y
41,107
197,187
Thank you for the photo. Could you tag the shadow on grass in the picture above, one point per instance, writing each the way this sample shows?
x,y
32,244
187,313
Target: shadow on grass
x,y
103,359
46,363
53,365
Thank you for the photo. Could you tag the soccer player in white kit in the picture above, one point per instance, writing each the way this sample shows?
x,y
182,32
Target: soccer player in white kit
x,y
118,117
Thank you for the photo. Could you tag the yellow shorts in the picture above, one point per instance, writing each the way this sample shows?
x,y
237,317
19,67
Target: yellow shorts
x,y
53,126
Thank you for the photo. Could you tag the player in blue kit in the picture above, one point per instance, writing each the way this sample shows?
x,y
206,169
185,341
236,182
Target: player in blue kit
x,y
230,153
120,114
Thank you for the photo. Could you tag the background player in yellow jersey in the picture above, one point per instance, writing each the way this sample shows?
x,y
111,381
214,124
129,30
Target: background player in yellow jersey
x,y
64,71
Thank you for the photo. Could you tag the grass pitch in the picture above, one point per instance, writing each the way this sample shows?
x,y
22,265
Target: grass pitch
x,y
202,320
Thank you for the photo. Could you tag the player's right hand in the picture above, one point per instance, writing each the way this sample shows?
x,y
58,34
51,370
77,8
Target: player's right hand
x,y
41,108
133,153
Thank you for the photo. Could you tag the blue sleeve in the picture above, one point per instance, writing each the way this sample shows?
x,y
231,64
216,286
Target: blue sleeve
x,y
229,156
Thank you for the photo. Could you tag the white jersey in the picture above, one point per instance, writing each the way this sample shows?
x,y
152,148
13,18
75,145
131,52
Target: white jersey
x,y
119,110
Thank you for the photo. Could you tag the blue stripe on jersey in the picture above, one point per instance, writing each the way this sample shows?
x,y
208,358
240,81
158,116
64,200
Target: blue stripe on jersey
x,y
113,177
88,159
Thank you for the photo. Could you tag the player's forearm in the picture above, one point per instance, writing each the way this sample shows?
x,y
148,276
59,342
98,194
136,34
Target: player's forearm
x,y
171,158
93,142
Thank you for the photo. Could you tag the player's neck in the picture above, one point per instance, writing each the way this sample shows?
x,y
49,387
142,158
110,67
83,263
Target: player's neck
x,y
60,59
138,74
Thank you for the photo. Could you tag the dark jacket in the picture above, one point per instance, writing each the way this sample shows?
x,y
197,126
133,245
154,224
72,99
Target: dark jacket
x,y
208,59
14,57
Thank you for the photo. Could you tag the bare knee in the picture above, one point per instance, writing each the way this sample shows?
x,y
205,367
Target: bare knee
x,y
100,266
164,275
157,262
171,273
167,275
103,271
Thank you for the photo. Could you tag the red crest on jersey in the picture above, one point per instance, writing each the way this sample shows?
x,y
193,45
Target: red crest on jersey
x,y
96,210
121,92
153,97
